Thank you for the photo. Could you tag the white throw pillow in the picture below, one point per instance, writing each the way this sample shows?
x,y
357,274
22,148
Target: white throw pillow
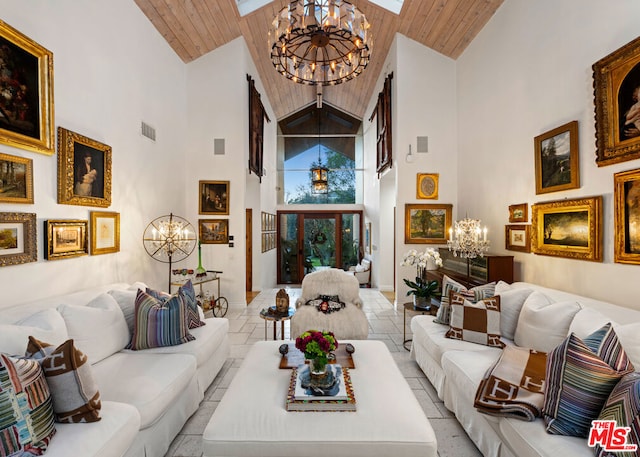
x,y
629,336
98,328
46,325
511,302
126,299
542,324
502,287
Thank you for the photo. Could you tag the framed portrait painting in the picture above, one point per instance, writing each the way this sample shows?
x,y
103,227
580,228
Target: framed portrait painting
x,y
105,232
213,231
214,197
568,228
518,213
557,166
26,103
16,179
427,186
616,84
427,223
65,238
84,170
517,238
627,216
17,238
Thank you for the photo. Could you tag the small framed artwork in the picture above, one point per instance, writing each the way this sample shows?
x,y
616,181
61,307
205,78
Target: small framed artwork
x,y
26,106
627,216
518,213
616,89
263,221
17,238
84,170
214,197
568,228
213,231
367,238
427,223
517,238
557,159
16,179
105,232
65,238
427,186
264,242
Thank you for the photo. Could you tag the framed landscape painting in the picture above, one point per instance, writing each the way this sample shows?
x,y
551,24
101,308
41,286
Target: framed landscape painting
x,y
427,223
65,238
517,238
105,232
557,159
213,231
17,238
518,213
627,216
568,228
214,197
16,179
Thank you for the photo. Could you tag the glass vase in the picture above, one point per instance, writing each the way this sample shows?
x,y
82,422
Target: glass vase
x,y
318,369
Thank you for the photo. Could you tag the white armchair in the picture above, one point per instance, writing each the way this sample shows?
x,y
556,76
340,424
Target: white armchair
x,y
362,272
350,323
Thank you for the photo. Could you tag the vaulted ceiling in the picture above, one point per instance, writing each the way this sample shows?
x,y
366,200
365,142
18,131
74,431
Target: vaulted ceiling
x,y
195,27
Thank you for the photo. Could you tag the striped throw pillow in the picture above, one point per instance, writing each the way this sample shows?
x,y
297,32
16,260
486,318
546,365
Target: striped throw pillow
x,y
580,376
159,323
475,322
188,294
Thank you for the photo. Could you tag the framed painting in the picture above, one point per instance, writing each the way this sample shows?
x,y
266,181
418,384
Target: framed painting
x,y
557,165
213,231
518,213
568,228
427,223
27,103
84,170
17,238
616,89
65,238
214,197
427,186
517,238
16,179
627,216
105,232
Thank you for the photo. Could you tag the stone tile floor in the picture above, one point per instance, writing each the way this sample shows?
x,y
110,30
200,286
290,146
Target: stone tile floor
x,y
385,324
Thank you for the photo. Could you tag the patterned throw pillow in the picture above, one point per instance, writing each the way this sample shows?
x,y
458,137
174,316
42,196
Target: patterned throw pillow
x,y
449,285
26,412
73,389
326,303
580,376
623,406
159,323
475,322
188,294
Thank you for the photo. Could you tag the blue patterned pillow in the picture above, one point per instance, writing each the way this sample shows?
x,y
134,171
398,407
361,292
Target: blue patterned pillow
x,y
580,376
159,323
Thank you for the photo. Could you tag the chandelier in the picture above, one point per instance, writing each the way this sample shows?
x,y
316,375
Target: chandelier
x,y
320,42
467,239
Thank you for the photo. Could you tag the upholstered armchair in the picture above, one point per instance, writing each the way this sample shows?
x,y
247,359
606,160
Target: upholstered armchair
x,y
349,323
362,272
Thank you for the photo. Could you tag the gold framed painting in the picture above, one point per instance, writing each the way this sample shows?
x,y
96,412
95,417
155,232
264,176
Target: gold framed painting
x,y
517,238
427,186
616,84
568,228
427,223
65,238
518,213
17,238
27,108
84,170
16,179
557,165
105,232
213,231
214,197
627,216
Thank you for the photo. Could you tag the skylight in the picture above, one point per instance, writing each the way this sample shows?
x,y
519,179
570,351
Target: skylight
x,y
392,5
249,6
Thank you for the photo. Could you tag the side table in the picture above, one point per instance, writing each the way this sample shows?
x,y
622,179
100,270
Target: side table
x,y
411,308
270,314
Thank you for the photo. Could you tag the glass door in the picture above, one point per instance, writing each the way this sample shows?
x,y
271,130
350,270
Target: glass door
x,y
319,242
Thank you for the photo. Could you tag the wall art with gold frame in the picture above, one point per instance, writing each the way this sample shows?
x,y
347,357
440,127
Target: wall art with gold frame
x,y
557,164
518,213
214,197
427,223
16,179
616,84
213,231
427,186
66,238
517,238
105,232
27,112
627,216
568,228
17,238
84,170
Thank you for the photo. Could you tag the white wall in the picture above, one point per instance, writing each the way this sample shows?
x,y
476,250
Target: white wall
x,y
111,70
526,73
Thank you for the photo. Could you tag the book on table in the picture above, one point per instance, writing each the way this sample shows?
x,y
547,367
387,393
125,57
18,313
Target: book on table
x,y
336,397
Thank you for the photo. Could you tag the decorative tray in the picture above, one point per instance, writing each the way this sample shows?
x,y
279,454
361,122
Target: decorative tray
x,y
294,357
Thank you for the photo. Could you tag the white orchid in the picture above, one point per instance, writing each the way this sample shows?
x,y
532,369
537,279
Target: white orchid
x,y
420,260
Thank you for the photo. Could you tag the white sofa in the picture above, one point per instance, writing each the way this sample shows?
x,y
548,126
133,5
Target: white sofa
x,y
455,368
147,396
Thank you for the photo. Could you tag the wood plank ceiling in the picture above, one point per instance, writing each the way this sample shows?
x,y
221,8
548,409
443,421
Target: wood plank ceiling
x,y
195,27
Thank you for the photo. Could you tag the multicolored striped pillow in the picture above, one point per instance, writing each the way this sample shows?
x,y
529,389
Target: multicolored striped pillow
x,y
159,323
580,376
188,294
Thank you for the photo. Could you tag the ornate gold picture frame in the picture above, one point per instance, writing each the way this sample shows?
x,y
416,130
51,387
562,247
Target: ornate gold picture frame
x,y
627,216
84,170
213,231
427,186
27,112
557,164
518,213
17,238
105,232
427,223
517,238
568,228
16,179
66,238
214,197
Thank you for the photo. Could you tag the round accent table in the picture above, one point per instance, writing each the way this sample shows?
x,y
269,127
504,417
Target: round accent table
x,y
270,314
411,308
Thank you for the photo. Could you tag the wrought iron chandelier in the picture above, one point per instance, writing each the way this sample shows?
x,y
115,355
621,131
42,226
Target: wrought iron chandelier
x,y
320,42
467,239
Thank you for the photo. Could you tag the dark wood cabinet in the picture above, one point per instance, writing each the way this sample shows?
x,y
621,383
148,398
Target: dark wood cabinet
x,y
473,272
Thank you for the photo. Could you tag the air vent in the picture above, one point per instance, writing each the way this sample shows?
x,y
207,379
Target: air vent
x,y
218,146
423,144
148,131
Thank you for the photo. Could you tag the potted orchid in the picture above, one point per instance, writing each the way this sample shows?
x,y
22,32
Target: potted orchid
x,y
421,289
316,347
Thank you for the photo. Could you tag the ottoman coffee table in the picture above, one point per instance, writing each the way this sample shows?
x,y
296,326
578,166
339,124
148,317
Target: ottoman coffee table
x,y
252,420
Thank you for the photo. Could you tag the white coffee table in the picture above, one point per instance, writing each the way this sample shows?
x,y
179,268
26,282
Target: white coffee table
x,y
251,419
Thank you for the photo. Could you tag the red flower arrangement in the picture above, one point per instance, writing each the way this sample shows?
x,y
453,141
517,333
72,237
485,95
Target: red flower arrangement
x,y
316,345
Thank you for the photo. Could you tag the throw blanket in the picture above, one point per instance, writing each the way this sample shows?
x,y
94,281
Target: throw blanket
x,y
514,385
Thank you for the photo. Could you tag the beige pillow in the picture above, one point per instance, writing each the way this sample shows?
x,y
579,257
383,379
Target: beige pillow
x,y
511,302
475,322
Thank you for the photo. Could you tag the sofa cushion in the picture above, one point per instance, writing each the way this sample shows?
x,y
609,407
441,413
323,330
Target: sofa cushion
x,y
74,391
189,296
533,330
475,322
26,411
450,285
580,376
98,329
511,302
126,299
530,439
46,324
